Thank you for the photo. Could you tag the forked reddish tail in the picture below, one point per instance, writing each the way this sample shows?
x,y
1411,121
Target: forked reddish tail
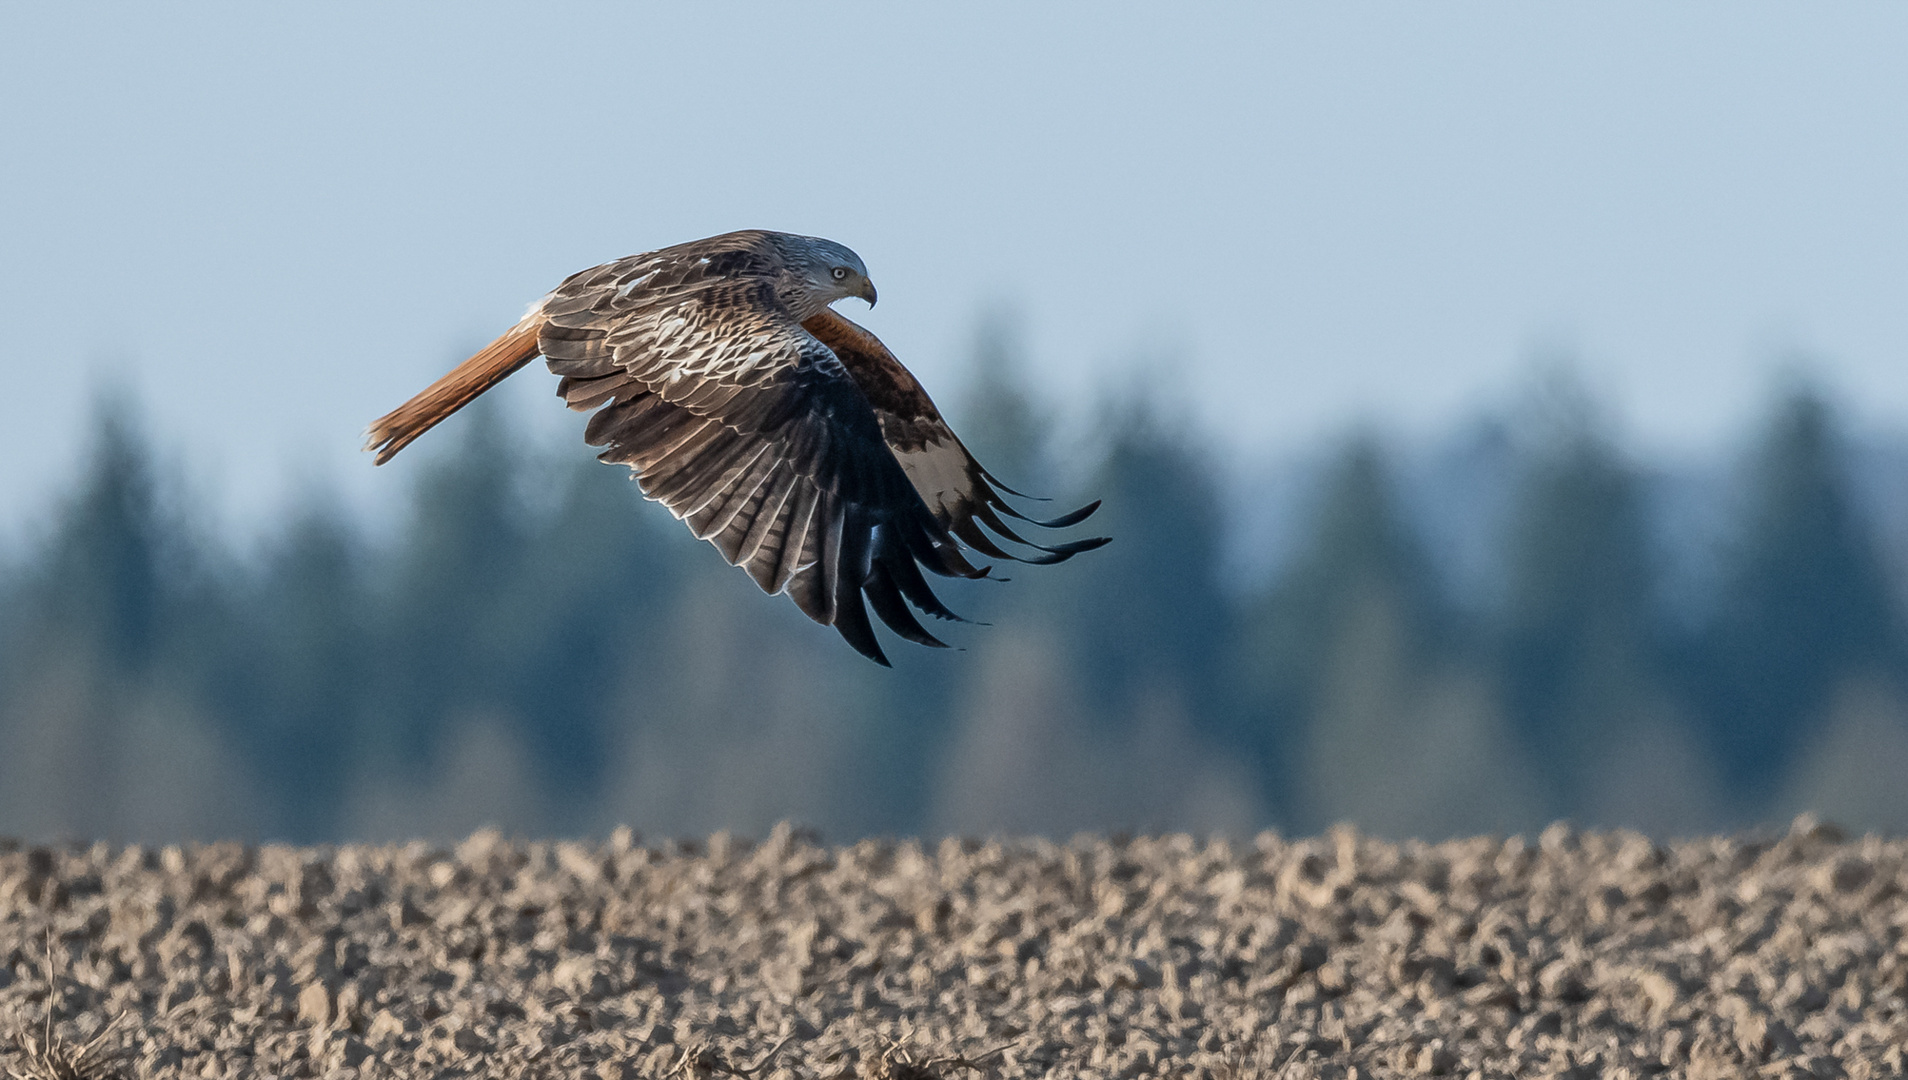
x,y
493,363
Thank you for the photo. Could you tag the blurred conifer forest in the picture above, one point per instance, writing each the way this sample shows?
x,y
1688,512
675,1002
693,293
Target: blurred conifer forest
x,y
1516,623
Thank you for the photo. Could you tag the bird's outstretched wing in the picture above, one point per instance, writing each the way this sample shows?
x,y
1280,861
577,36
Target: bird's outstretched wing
x,y
750,430
960,493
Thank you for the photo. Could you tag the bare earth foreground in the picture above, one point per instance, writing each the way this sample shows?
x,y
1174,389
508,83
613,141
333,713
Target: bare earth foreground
x,y
1581,954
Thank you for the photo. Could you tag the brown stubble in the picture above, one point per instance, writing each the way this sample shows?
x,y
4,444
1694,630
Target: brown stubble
x,y
459,387
47,1056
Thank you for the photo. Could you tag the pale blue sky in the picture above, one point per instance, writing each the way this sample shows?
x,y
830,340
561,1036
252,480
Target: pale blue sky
x,y
277,221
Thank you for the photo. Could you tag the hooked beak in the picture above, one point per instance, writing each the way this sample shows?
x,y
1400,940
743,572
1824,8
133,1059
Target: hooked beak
x,y
867,291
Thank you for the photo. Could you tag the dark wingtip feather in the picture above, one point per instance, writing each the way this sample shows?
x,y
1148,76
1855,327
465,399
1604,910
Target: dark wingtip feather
x,y
1060,553
995,480
1073,517
970,533
886,600
905,573
858,633
1075,547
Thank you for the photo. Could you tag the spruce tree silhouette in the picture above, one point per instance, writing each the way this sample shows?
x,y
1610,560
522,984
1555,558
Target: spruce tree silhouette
x,y
1580,642
1804,602
442,651
304,716
1359,551
1147,615
578,621
100,585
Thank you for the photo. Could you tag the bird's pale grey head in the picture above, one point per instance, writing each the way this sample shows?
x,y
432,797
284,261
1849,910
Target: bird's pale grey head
x,y
826,272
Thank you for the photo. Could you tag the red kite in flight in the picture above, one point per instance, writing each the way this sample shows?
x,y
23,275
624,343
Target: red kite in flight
x,y
785,435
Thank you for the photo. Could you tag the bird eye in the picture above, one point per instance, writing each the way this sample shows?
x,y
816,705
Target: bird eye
x,y
839,272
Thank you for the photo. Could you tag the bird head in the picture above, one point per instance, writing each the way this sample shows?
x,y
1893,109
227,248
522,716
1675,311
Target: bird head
x,y
830,271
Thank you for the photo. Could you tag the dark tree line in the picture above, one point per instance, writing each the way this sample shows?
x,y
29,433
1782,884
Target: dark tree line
x,y
629,674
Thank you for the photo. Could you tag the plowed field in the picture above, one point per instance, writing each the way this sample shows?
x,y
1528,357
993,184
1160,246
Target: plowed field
x,y
1578,954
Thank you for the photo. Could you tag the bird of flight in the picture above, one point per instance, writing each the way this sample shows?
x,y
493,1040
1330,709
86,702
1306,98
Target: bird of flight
x,y
779,431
